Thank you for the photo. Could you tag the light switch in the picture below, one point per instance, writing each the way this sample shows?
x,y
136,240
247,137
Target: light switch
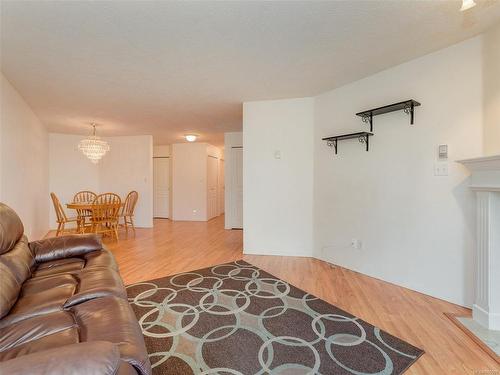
x,y
441,169
277,154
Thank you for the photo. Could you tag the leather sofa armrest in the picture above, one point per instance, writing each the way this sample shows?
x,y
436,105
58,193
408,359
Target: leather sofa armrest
x,y
95,357
65,247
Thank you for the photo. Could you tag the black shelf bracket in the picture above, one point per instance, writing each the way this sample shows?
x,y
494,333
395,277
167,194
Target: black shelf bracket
x,y
363,137
408,106
409,109
332,143
368,117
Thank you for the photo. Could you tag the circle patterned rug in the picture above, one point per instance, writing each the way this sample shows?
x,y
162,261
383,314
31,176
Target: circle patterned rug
x,y
235,318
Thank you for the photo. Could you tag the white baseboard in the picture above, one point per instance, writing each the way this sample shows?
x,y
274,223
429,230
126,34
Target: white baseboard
x,y
485,318
278,253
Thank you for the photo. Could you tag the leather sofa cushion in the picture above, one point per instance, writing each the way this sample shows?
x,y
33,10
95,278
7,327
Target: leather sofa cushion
x,y
96,259
102,258
65,247
68,265
15,269
38,333
48,301
11,228
100,357
95,283
102,319
40,284
95,317
47,294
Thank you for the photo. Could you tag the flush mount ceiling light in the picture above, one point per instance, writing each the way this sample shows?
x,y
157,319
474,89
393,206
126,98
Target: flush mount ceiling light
x,y
93,147
190,137
467,4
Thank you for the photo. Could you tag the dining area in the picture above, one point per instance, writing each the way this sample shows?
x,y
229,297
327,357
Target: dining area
x,y
105,214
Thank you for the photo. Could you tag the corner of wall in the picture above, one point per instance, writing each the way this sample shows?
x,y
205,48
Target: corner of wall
x,y
24,184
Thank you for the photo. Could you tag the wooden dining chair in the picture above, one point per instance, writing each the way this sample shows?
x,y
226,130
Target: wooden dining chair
x,y
128,210
84,215
62,219
84,196
106,213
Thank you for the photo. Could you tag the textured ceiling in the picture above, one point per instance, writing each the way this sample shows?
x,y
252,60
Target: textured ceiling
x,y
170,68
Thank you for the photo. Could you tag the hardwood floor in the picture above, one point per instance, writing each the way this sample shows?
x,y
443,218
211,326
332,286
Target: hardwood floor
x,y
173,247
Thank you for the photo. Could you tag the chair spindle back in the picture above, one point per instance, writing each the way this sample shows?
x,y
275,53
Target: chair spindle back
x,y
106,207
60,214
130,202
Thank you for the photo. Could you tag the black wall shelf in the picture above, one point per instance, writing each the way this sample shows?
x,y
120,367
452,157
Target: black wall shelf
x,y
362,137
407,106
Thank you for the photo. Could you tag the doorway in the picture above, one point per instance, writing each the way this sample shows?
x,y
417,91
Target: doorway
x,y
161,187
236,193
212,177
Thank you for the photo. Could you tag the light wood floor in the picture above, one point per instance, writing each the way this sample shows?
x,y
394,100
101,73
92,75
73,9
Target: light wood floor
x,y
173,247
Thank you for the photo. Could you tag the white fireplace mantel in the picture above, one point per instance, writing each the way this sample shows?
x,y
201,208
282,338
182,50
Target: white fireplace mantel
x,y
485,180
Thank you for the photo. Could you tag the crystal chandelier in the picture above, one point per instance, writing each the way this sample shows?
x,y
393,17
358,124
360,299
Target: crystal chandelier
x,y
93,147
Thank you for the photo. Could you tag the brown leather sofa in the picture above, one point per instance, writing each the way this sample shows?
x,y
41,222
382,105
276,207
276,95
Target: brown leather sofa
x,y
63,307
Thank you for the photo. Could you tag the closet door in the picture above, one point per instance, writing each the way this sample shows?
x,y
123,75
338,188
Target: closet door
x,y
212,177
237,188
161,187
221,187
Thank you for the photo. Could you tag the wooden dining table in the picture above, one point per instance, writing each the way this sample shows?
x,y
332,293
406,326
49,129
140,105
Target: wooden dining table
x,y
83,205
85,209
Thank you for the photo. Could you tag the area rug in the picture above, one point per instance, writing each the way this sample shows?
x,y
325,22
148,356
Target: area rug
x,y
235,318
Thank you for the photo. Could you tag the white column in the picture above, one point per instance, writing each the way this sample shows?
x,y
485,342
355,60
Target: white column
x,y
485,181
486,309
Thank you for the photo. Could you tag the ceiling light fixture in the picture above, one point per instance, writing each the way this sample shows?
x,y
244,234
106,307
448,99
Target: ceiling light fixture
x,y
93,147
467,4
190,137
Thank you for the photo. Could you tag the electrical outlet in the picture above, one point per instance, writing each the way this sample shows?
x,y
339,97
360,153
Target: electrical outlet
x,y
441,169
356,244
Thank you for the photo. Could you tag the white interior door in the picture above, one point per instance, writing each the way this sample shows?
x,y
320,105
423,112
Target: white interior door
x,y
161,187
221,187
212,177
237,188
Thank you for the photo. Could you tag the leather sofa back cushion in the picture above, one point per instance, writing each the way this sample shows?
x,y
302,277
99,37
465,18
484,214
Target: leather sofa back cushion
x,y
9,290
15,269
20,260
11,228
65,247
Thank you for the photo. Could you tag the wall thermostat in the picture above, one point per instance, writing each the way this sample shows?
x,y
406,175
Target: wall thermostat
x,y
443,152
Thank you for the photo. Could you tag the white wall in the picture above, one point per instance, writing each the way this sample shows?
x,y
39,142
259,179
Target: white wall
x,y
189,181
233,139
69,171
129,166
23,162
416,228
278,193
491,81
